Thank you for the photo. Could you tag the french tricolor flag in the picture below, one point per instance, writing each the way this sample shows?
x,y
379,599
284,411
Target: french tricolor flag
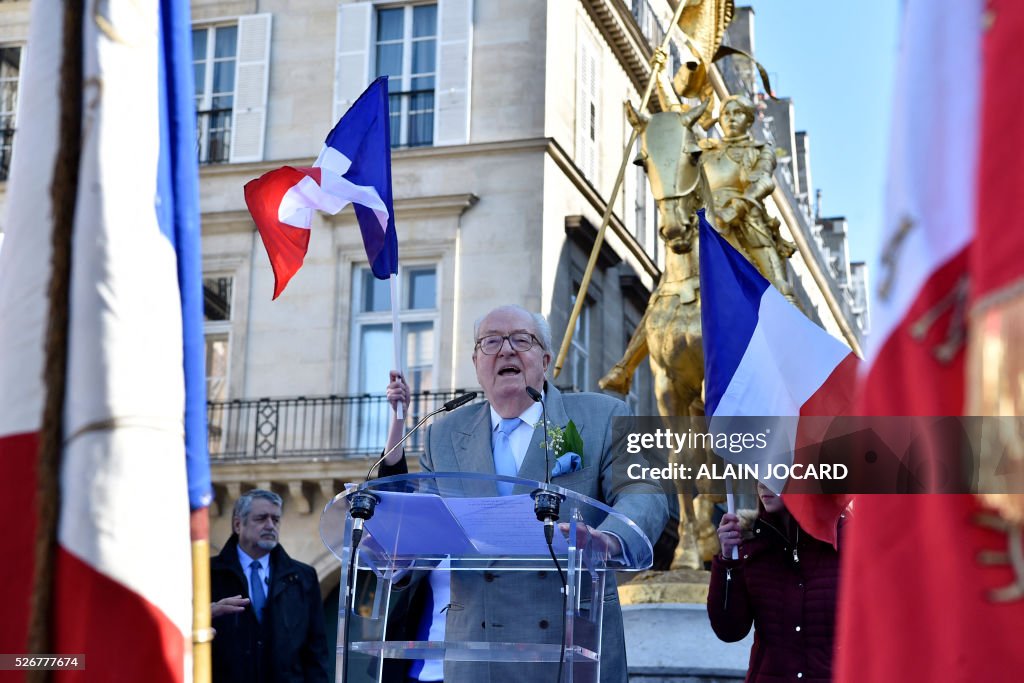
x,y
354,167
764,358
102,389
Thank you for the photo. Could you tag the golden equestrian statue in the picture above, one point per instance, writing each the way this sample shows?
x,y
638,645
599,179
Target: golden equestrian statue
x,y
731,177
670,331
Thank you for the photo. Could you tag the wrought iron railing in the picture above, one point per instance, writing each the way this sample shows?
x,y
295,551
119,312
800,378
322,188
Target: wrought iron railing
x,y
351,426
6,146
213,131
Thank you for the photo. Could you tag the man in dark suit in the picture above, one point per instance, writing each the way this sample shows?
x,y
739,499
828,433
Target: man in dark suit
x,y
267,609
511,352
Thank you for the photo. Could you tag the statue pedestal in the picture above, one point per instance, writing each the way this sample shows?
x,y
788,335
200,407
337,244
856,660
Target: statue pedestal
x,y
668,636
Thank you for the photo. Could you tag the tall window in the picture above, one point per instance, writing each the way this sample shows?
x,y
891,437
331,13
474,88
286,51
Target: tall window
x,y
640,202
217,294
10,70
633,397
214,52
588,117
406,52
579,349
373,341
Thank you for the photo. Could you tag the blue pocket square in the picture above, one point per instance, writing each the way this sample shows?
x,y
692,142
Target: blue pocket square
x,y
567,464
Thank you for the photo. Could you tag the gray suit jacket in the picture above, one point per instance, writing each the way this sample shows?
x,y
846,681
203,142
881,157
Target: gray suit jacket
x,y
526,606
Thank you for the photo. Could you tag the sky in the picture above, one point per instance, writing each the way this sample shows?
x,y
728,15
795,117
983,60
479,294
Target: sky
x,y
836,61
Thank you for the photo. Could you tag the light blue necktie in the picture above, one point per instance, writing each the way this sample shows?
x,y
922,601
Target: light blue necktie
x,y
504,461
259,596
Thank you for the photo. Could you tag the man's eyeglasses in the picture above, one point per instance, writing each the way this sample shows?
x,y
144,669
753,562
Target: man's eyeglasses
x,y
519,341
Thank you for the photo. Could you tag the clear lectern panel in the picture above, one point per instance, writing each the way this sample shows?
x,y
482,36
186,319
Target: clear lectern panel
x,y
492,554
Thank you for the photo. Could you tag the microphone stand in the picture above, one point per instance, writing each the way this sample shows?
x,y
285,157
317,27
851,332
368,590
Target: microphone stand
x,y
546,504
362,504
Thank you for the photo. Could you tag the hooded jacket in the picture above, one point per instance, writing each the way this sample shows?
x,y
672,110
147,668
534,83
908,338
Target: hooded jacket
x,y
784,584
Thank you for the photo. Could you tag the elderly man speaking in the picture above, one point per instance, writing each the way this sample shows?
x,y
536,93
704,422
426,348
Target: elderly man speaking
x,y
512,351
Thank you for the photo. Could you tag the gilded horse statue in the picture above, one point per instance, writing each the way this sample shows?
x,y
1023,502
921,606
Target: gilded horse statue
x,y
670,331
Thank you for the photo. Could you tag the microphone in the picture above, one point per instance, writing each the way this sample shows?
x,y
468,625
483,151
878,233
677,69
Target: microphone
x,y
539,398
545,503
451,405
458,401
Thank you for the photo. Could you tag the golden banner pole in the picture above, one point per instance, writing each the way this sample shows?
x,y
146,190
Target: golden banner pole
x,y
657,62
202,633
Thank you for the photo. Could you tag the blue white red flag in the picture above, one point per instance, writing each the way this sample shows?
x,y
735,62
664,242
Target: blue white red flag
x,y
134,386
763,358
353,167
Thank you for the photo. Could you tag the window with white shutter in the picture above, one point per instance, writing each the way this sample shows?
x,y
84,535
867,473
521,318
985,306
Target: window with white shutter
x,y
214,53
405,50
352,55
587,110
454,72
232,70
425,49
252,78
10,75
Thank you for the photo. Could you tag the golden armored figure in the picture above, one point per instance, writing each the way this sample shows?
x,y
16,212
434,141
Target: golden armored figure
x,y
740,171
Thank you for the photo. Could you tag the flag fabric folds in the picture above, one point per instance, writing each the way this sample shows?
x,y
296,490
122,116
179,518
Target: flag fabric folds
x,y
121,583
354,167
178,216
764,358
918,602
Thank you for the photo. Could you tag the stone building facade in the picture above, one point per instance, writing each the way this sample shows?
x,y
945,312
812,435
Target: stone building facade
x,y
508,130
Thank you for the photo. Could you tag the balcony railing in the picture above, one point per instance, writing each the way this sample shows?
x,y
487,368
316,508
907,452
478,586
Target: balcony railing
x,y
352,426
213,131
6,145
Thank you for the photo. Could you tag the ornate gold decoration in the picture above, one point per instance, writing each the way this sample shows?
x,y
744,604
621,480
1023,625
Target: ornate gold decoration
x,y
890,255
995,386
704,22
670,331
955,303
1012,556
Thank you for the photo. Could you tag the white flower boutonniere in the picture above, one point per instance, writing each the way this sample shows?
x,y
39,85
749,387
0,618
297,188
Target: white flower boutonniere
x,y
567,445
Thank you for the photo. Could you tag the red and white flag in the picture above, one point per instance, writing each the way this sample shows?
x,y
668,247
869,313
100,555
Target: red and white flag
x,y
119,580
916,603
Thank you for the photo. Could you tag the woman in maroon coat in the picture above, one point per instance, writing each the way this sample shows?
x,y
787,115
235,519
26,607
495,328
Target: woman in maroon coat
x,y
785,584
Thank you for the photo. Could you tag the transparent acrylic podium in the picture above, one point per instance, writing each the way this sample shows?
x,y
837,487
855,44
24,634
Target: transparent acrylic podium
x,y
422,520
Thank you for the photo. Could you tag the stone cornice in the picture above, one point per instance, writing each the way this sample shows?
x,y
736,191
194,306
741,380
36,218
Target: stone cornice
x,y
299,479
221,222
258,168
620,31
